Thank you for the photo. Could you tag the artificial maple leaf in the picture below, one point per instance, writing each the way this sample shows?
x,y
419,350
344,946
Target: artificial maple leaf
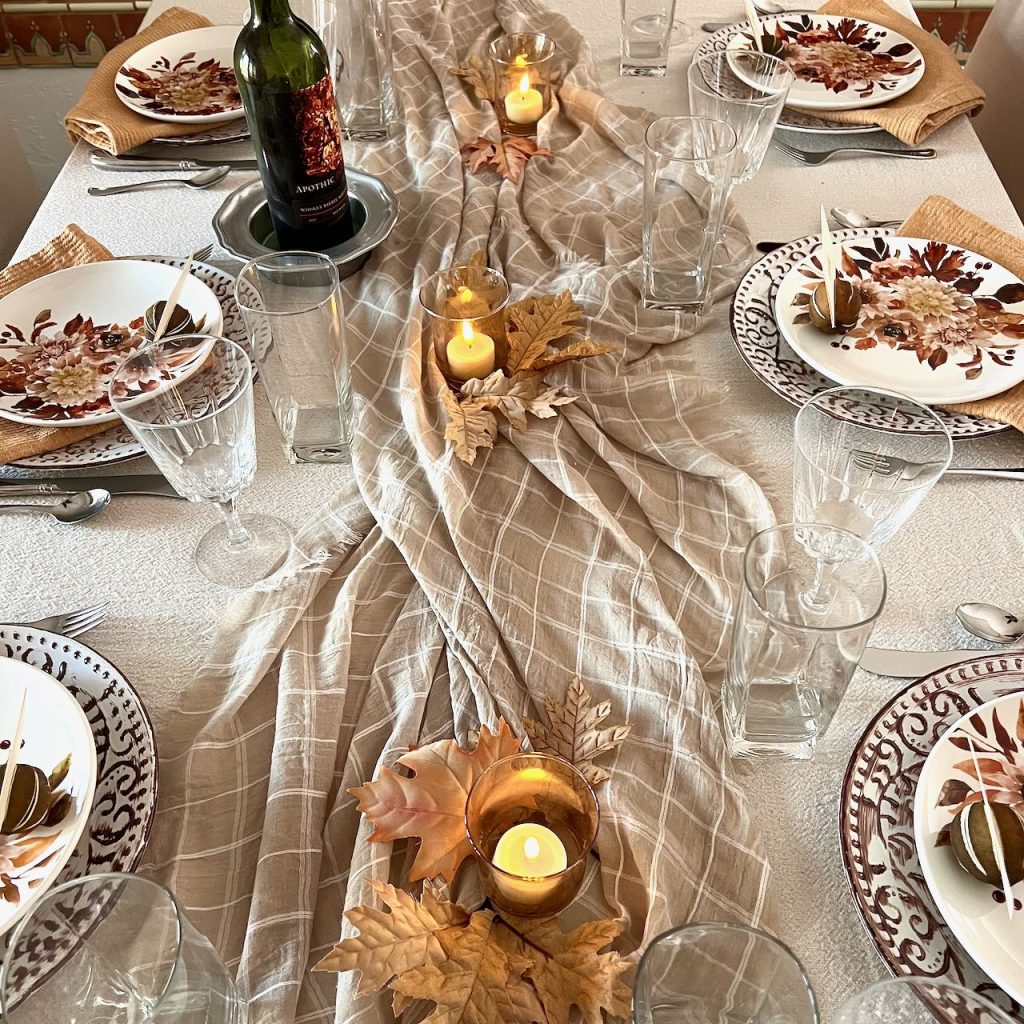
x,y
507,156
471,426
480,982
536,322
574,731
474,73
584,349
568,969
430,805
389,944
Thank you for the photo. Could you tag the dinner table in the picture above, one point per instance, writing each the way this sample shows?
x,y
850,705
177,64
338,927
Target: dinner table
x,y
965,543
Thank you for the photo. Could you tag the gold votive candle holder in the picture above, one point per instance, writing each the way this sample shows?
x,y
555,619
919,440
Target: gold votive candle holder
x,y
531,820
521,63
466,302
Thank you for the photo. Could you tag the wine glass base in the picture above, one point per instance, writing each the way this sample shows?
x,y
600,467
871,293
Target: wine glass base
x,y
229,564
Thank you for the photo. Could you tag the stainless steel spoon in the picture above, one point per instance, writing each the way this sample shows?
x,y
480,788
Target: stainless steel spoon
x,y
991,622
767,7
202,180
73,509
853,219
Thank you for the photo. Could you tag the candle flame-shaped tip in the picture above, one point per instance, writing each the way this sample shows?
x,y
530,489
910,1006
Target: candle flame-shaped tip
x,y
465,294
521,60
467,330
531,848
524,84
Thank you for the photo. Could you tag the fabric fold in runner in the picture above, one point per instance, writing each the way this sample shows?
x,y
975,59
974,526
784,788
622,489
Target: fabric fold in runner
x,y
431,596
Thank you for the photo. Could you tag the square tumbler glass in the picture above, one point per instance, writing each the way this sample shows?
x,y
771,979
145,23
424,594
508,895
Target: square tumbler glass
x,y
646,37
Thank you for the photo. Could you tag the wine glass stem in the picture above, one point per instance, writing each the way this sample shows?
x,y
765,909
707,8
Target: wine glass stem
x,y
238,535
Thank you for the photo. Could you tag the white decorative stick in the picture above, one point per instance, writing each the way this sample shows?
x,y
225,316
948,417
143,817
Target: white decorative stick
x,y
12,760
754,22
173,300
828,265
997,842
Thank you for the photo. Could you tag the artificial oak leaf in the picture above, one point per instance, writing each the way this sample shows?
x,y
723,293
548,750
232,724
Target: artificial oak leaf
x,y
535,323
479,154
480,982
474,73
507,156
471,426
574,731
517,395
430,805
389,944
584,349
568,969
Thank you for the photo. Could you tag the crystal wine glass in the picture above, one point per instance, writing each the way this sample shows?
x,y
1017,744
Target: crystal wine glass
x,y
188,401
919,1001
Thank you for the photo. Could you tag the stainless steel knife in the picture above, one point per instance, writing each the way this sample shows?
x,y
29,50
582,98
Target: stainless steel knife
x,y
884,661
143,163
716,26
151,484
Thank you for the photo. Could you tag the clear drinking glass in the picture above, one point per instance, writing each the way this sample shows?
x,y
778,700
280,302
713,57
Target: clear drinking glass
x,y
687,168
292,307
114,949
865,478
647,31
357,37
746,90
721,974
199,430
811,595
521,63
919,1001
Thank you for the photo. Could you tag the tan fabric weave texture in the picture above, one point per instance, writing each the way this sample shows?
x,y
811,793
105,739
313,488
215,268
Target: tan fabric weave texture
x,y
943,93
71,248
102,119
432,596
941,219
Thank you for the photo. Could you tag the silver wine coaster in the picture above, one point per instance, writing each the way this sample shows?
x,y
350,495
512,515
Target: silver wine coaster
x,y
243,225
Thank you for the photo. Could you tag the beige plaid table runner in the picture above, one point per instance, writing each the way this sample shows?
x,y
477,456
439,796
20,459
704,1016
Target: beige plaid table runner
x,y
431,596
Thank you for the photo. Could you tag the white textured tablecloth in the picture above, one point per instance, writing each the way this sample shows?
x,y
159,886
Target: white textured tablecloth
x,y
965,543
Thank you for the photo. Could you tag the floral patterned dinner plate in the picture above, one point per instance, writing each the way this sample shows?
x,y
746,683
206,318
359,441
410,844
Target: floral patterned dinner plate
x,y
876,822
56,740
186,78
975,911
124,804
937,323
62,337
771,359
840,63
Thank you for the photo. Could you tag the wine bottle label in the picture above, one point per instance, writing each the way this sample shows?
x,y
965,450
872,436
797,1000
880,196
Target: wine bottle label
x,y
319,192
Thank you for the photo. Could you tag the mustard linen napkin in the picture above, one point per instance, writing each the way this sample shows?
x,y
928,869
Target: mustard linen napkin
x,y
943,220
102,119
943,93
71,248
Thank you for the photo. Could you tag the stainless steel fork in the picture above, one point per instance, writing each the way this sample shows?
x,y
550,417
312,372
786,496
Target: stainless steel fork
x,y
892,466
814,158
70,624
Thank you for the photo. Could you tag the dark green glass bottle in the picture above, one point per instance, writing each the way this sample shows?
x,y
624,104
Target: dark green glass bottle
x,y
284,78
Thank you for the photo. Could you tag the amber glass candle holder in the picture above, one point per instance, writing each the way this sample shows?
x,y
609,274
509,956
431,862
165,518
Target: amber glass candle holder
x,y
522,80
465,300
531,820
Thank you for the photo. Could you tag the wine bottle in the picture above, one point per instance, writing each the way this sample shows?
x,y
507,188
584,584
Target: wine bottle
x,y
284,78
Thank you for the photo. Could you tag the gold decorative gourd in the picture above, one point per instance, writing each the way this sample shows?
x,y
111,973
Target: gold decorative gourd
x,y
971,840
847,307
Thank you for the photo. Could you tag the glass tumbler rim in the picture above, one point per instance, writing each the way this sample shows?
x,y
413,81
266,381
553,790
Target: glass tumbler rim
x,y
437,274
325,261
730,927
780,66
726,150
232,345
563,763
866,548
102,877
911,485
546,46
908,981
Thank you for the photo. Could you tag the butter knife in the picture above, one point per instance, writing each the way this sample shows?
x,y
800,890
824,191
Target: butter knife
x,y
142,163
883,661
151,484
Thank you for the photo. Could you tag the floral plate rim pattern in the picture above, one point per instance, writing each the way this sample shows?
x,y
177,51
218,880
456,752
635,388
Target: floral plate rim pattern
x,y
790,119
840,63
878,792
770,358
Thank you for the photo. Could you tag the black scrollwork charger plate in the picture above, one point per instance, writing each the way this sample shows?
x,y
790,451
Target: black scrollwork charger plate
x,y
767,353
126,764
876,823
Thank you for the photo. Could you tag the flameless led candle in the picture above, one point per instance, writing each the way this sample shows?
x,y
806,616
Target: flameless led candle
x,y
470,353
525,105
